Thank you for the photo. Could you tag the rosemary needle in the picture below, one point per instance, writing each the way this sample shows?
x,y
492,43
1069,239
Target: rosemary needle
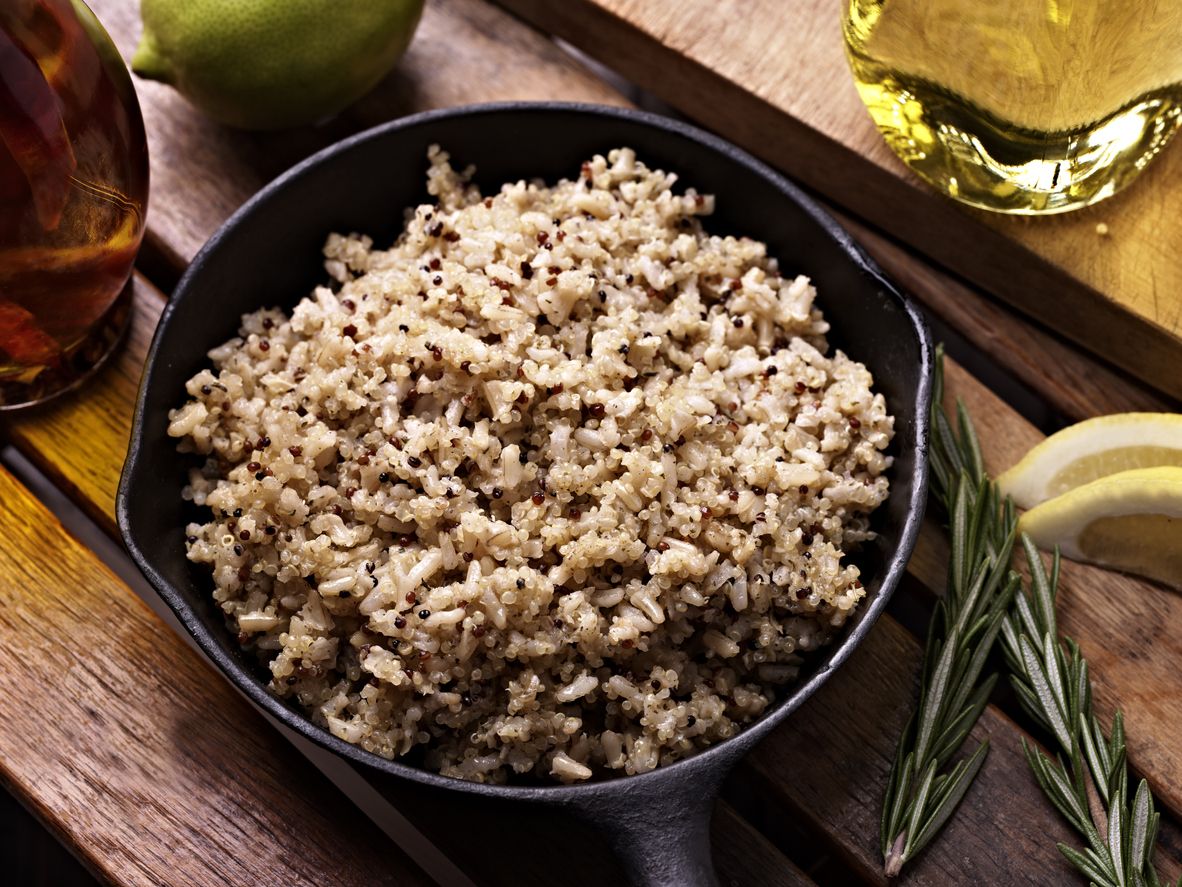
x,y
923,791
1087,781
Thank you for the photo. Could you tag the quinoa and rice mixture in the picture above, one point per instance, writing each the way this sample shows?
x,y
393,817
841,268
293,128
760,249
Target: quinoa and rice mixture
x,y
559,485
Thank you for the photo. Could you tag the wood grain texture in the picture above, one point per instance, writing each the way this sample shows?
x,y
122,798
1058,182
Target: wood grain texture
x,y
465,51
831,767
120,737
468,51
742,844
772,77
1127,628
830,764
1074,383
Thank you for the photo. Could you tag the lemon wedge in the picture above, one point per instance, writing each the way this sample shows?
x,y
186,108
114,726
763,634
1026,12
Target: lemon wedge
x,y
1131,521
1092,449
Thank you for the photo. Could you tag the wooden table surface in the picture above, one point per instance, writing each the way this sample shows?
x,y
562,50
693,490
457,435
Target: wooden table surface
x,y
132,750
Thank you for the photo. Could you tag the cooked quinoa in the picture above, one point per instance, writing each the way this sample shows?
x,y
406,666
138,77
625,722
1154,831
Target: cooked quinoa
x,y
560,485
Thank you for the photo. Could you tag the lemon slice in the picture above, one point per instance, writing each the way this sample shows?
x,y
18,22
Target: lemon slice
x,y
1092,449
1131,521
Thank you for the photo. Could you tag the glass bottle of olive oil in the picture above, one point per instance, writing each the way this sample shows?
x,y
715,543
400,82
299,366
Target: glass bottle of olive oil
x,y
1021,106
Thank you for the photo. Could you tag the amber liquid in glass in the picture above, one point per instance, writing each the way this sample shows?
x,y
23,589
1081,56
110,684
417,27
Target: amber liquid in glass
x,y
73,192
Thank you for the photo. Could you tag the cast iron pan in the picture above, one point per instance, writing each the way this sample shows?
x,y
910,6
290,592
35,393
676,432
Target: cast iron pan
x,y
268,253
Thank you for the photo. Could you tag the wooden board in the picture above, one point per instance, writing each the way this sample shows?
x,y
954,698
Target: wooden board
x,y
772,76
201,172
828,765
120,737
1076,386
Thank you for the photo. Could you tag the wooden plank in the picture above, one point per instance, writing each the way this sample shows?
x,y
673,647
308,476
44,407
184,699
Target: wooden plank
x,y
855,721
772,77
830,764
742,843
465,51
1072,382
1126,627
102,417
120,737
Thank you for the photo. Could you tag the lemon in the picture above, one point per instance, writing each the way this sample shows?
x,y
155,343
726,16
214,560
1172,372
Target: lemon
x,y
268,64
1131,521
1092,449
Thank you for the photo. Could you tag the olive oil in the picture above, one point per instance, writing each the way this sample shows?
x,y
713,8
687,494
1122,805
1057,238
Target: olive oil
x,y
1021,106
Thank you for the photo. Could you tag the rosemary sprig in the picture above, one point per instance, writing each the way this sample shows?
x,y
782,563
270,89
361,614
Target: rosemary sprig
x,y
923,791
1088,780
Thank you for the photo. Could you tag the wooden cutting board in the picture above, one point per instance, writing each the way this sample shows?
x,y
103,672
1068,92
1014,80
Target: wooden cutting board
x,y
771,75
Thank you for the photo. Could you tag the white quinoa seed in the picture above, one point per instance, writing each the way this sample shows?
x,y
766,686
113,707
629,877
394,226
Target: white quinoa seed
x,y
559,485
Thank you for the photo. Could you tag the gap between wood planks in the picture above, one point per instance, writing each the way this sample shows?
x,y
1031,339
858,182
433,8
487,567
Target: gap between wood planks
x,y
191,224
114,391
741,853
100,543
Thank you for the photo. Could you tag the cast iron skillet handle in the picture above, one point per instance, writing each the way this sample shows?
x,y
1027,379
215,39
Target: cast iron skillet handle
x,y
660,830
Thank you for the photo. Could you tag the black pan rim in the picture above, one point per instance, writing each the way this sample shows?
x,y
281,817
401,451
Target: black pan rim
x,y
719,756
